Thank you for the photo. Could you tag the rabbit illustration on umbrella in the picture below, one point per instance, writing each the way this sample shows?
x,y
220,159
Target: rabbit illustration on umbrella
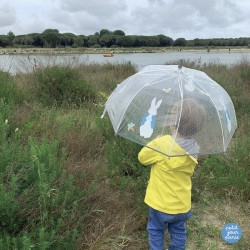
x,y
148,121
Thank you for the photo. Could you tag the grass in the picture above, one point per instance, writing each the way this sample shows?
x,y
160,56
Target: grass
x,y
68,183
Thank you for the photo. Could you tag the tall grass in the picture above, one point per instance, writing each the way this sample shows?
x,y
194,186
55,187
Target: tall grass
x,y
228,174
50,140
38,200
64,176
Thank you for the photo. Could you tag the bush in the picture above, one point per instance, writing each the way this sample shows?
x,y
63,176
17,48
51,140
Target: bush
x,y
39,202
8,92
60,85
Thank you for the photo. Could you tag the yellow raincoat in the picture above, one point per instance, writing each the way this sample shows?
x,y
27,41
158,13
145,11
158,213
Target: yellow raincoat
x,y
169,186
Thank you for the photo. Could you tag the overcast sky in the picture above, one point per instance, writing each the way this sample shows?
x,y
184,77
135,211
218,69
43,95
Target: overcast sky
x,y
181,18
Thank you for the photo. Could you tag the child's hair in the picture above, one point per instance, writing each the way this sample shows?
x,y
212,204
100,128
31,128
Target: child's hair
x,y
192,117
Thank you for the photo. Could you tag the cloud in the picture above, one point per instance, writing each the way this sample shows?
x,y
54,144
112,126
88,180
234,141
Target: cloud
x,y
89,17
7,15
188,19
183,18
94,7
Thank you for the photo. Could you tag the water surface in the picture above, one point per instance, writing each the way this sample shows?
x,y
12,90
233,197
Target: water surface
x,y
25,63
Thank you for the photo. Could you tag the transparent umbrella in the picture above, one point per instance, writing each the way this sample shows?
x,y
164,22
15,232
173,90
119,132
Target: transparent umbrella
x,y
169,100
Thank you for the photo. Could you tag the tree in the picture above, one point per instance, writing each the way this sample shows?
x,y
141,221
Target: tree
x,y
107,40
105,32
124,41
180,42
80,41
119,33
138,41
25,40
67,39
51,37
151,41
197,42
165,40
11,37
37,40
51,31
4,41
92,40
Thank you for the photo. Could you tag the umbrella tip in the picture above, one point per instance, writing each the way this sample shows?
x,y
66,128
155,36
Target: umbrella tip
x,y
180,64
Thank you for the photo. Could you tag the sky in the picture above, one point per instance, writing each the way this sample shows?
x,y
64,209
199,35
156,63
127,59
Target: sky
x,y
187,19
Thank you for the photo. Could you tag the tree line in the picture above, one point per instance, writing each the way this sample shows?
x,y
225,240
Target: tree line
x,y
52,38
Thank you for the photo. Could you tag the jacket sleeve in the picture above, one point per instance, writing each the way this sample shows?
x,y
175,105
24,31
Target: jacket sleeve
x,y
148,156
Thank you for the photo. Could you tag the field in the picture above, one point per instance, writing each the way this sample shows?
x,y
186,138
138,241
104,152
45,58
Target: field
x,y
68,183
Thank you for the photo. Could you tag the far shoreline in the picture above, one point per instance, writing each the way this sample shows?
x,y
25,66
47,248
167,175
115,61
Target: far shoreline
x,y
56,51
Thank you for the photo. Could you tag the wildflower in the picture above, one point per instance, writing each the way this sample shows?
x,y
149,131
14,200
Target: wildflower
x,y
6,121
16,130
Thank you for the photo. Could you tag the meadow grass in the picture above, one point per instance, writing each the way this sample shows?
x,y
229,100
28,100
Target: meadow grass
x,y
68,183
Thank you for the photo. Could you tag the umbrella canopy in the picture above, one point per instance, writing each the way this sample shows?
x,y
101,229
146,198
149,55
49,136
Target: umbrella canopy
x,y
181,102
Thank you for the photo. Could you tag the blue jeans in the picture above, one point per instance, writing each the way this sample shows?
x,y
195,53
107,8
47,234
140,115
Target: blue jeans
x,y
158,222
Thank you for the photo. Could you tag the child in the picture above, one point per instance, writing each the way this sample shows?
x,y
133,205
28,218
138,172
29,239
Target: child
x,y
168,193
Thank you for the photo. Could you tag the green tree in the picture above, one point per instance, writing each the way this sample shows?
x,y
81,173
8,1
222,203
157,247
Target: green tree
x,y
11,37
124,41
105,32
37,40
142,41
165,40
152,41
197,42
51,38
180,42
92,40
80,40
67,39
4,40
51,31
138,41
119,33
107,40
23,40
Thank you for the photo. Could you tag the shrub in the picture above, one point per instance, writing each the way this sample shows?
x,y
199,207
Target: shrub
x,y
59,85
39,202
8,92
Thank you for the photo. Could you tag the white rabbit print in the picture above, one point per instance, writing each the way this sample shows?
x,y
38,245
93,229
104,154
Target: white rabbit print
x,y
148,121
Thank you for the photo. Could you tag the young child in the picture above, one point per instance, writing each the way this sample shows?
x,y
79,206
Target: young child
x,y
168,193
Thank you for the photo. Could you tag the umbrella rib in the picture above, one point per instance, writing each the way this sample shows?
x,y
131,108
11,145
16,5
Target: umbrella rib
x,y
217,114
178,123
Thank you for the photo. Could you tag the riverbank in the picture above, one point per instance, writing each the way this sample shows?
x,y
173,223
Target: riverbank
x,y
29,51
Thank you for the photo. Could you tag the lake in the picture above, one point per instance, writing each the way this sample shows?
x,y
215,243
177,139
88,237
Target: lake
x,y
25,63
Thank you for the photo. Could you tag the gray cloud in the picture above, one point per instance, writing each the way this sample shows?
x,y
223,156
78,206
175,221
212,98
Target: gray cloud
x,y
182,18
94,7
7,15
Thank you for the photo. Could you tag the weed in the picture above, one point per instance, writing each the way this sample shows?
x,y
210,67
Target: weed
x,y
9,94
62,85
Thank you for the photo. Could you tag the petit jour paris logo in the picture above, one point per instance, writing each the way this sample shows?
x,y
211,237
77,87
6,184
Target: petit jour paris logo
x,y
231,233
